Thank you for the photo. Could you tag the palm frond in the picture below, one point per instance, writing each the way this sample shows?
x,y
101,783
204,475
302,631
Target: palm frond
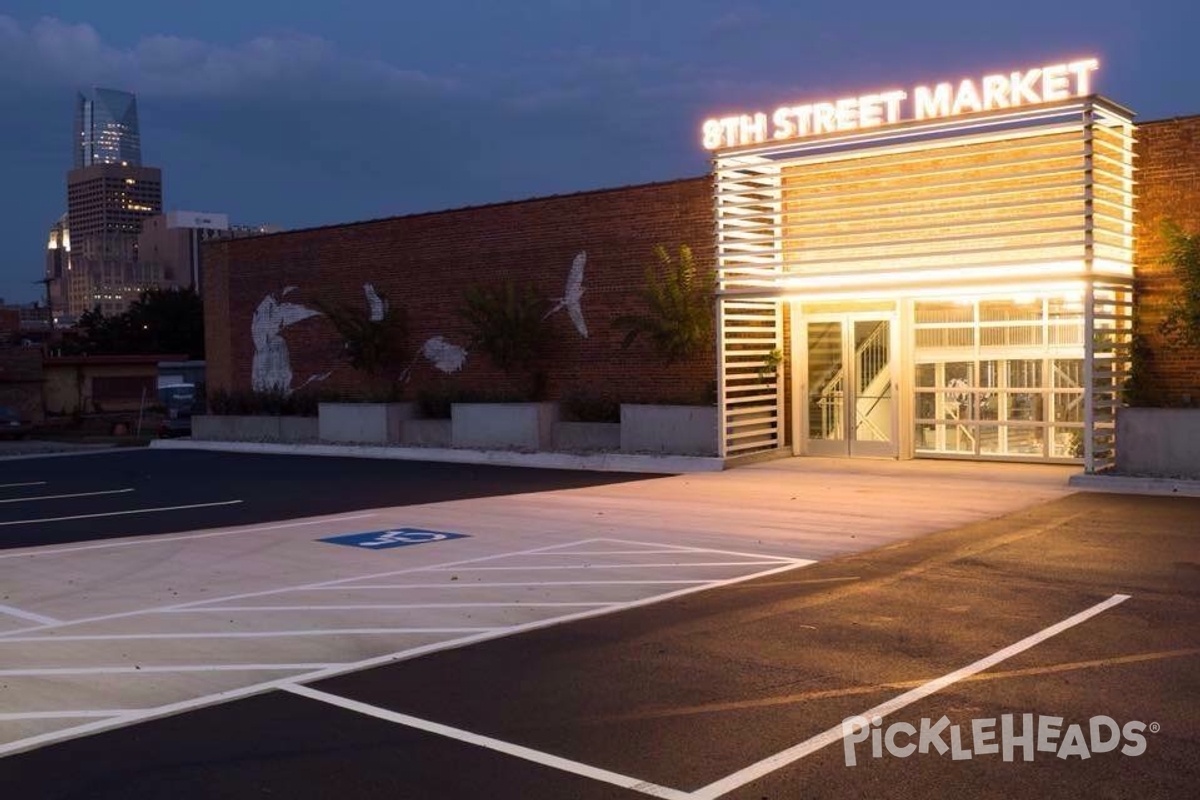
x,y
678,315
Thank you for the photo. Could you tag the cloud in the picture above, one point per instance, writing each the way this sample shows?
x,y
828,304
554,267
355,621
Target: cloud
x,y
57,53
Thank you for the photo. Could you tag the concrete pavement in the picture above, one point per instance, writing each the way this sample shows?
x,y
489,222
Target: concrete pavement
x,y
118,625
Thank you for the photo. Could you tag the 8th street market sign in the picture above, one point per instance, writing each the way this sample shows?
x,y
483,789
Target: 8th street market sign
x,y
991,92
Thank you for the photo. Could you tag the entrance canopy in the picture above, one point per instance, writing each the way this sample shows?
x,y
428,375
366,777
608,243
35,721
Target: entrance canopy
x,y
998,249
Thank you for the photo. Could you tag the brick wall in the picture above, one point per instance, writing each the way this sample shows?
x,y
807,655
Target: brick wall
x,y
423,262
1168,188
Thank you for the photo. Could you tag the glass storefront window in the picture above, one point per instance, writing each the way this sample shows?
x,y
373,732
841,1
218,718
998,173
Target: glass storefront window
x,y
1017,394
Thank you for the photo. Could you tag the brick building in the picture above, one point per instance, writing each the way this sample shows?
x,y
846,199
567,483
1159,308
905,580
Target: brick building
x,y
956,286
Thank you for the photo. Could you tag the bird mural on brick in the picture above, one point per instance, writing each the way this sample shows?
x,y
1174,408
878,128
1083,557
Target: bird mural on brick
x,y
572,295
378,305
271,368
445,356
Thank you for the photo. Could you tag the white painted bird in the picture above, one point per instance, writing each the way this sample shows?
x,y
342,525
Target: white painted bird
x,y
572,295
377,304
271,369
446,356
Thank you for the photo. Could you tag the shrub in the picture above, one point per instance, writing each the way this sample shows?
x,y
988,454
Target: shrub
x,y
276,404
583,406
678,319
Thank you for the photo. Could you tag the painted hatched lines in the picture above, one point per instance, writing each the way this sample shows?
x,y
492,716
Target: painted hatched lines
x,y
437,612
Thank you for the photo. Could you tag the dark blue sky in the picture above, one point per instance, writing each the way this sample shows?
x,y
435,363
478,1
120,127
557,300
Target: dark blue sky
x,y
302,114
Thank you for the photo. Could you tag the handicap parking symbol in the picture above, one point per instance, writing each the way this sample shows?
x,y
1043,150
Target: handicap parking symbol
x,y
394,537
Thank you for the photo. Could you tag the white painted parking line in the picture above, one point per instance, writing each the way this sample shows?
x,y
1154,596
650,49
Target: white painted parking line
x,y
680,564
28,616
379,607
496,584
25,483
837,732
64,496
508,748
19,716
674,551
124,637
119,513
155,669
151,540
686,549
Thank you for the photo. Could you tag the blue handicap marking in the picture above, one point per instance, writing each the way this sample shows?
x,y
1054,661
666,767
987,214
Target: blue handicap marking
x,y
395,537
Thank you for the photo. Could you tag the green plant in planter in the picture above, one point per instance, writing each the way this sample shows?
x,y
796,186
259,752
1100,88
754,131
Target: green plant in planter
x,y
1181,326
771,363
507,323
371,342
678,318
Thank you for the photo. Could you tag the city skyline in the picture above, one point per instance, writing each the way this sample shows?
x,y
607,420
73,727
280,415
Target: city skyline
x,y
315,120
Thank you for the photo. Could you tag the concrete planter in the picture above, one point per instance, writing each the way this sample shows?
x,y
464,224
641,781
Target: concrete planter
x,y
237,428
376,423
583,436
298,429
1159,441
426,432
678,430
526,426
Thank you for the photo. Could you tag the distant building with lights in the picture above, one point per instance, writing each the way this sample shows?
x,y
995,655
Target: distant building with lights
x,y
106,129
106,205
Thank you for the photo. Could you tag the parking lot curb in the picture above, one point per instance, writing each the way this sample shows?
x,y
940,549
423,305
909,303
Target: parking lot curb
x,y
595,462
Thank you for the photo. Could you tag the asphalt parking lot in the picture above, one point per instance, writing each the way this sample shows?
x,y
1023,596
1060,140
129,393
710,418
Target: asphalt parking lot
x,y
136,492
696,671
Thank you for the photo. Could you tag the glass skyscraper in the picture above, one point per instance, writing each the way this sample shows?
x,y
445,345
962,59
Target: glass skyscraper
x,y
106,129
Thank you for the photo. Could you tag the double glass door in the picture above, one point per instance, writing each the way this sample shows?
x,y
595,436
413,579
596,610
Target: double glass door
x,y
848,385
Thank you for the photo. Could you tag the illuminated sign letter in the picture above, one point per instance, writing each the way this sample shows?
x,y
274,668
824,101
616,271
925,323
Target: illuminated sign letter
x,y
995,92
891,101
1055,85
1083,86
870,110
967,98
785,128
1022,87
712,134
932,104
752,129
824,118
847,114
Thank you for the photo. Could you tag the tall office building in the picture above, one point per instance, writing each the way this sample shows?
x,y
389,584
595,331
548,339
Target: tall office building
x,y
109,194
106,205
106,129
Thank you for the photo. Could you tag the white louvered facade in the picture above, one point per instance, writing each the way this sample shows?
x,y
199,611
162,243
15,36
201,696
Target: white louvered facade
x,y
1023,217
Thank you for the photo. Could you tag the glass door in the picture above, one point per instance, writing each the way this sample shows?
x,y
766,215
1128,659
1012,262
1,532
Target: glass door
x,y
849,386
